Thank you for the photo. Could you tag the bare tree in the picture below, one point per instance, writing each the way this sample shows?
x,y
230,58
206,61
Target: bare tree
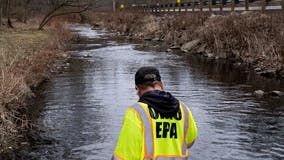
x,y
26,4
25,9
114,6
64,7
8,13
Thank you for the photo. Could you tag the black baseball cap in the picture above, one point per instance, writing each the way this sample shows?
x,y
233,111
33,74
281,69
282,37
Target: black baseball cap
x,y
147,74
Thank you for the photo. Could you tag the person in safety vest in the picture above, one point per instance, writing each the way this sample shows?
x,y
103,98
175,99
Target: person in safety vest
x,y
158,126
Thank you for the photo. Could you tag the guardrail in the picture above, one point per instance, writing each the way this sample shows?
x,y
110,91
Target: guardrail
x,y
211,6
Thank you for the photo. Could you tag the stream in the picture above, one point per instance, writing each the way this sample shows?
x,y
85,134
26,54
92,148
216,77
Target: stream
x,y
84,106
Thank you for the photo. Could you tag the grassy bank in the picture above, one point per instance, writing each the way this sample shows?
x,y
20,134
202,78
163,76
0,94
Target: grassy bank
x,y
27,57
250,38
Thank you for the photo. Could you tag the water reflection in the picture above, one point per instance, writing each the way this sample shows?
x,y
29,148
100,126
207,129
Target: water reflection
x,y
85,106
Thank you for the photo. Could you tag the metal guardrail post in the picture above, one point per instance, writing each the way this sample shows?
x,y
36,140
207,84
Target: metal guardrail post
x,y
201,5
210,5
193,6
157,8
169,7
179,5
246,5
233,5
221,5
150,6
282,6
263,7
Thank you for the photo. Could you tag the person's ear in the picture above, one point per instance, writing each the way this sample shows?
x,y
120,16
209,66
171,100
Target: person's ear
x,y
138,90
162,85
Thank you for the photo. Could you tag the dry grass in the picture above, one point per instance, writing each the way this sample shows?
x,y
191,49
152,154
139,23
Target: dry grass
x,y
171,28
122,22
253,37
26,56
180,29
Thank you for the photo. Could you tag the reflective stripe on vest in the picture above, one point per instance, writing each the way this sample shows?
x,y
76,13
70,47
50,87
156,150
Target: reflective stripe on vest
x,y
172,158
149,150
114,158
148,133
185,111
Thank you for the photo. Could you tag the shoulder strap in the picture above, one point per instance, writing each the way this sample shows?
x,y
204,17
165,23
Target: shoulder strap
x,y
148,136
185,111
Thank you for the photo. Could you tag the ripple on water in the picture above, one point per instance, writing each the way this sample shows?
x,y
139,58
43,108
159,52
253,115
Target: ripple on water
x,y
84,107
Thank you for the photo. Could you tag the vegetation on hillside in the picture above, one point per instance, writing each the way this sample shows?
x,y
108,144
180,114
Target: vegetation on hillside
x,y
26,58
249,37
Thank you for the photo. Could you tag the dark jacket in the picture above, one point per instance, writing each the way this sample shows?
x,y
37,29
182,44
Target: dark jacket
x,y
162,102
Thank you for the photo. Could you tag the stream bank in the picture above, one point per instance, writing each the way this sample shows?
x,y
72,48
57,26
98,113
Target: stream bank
x,y
248,39
83,108
29,58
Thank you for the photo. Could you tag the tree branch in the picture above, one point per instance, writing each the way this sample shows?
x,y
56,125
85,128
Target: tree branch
x,y
48,18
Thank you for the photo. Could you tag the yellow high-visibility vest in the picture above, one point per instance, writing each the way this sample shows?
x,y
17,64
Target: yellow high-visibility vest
x,y
146,135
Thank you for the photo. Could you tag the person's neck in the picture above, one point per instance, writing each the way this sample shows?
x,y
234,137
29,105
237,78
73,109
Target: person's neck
x,y
149,89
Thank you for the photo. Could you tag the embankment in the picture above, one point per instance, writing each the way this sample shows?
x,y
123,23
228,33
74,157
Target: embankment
x,y
28,57
247,38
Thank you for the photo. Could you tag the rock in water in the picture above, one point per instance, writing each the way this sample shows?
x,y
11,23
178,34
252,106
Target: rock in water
x,y
175,47
201,49
258,93
87,56
276,93
95,26
190,45
209,55
257,69
156,39
280,73
147,38
268,73
169,50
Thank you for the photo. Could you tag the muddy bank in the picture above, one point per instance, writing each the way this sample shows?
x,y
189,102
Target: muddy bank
x,y
247,39
28,59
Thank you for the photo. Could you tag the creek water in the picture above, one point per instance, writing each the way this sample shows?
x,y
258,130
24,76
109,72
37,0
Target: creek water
x,y
84,106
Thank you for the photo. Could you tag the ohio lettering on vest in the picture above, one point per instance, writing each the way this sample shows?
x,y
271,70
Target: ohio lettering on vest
x,y
165,129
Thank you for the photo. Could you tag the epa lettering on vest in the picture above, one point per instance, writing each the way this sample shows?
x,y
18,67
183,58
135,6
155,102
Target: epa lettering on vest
x,y
156,115
166,130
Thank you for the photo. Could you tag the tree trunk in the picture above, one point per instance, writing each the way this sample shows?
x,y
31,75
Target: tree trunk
x,y
26,11
1,16
1,13
114,6
9,14
83,18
